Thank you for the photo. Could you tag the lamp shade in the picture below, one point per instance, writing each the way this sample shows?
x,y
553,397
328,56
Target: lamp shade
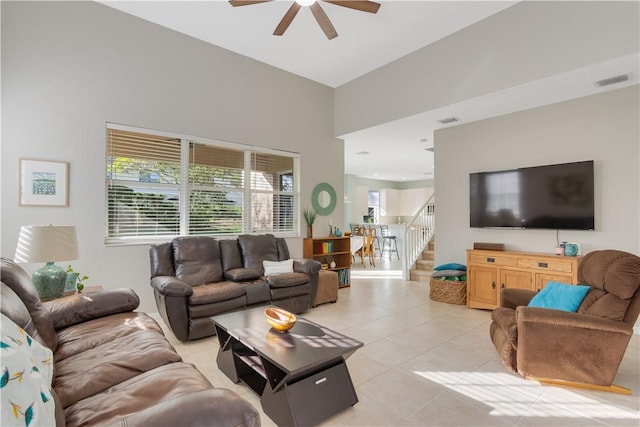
x,y
44,243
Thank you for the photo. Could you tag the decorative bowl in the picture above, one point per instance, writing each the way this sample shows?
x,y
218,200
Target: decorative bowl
x,y
279,319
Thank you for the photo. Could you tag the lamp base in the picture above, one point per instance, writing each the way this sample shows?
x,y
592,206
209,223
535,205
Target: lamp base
x,y
49,281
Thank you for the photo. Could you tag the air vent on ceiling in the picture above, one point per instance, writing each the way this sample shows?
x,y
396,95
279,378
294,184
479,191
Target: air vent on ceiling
x,y
448,120
613,80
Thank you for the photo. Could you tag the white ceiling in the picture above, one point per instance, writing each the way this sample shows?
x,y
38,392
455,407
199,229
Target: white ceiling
x,y
366,42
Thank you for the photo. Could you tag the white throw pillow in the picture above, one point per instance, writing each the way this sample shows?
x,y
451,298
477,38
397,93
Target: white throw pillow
x,y
25,379
272,268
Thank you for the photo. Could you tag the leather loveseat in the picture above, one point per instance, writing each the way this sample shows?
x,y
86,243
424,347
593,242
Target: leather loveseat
x,y
109,365
197,277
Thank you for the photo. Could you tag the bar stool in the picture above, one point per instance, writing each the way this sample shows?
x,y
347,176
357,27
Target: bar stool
x,y
389,243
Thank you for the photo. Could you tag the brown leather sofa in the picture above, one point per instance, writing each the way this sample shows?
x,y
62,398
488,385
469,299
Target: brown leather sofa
x,y
113,365
197,277
582,349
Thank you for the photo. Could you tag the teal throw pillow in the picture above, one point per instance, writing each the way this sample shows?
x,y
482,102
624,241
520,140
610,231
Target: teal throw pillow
x,y
451,266
560,296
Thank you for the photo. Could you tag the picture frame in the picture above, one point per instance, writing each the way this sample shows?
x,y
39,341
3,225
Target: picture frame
x,y
44,183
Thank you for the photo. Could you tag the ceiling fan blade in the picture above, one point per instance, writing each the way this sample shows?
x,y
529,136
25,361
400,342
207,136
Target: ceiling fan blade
x,y
364,6
287,19
236,3
323,21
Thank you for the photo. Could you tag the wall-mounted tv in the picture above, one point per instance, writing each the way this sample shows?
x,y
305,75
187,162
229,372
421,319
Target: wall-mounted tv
x,y
558,197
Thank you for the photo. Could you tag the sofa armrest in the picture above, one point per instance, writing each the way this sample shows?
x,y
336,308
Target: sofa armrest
x,y
514,297
565,319
206,408
569,346
78,308
171,286
307,266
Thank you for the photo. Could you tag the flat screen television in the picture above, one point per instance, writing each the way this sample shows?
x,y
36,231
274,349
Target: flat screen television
x,y
558,197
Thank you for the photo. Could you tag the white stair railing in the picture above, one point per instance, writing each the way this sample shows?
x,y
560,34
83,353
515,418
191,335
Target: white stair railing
x,y
417,234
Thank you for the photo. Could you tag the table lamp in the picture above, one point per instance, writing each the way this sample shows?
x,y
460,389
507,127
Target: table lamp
x,y
47,243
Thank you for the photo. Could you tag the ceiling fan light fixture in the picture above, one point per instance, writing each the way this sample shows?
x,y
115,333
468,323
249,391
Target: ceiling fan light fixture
x,y
305,2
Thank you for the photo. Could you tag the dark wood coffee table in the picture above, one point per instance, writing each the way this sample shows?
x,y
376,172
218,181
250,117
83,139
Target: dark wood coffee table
x,y
300,375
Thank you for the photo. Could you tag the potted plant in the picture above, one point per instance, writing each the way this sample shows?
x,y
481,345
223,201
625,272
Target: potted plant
x,y
74,280
309,217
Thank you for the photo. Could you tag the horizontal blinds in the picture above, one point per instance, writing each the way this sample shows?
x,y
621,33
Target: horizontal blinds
x,y
143,177
216,181
266,170
222,193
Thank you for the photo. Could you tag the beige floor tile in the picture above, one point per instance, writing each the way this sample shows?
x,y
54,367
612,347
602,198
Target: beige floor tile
x,y
426,363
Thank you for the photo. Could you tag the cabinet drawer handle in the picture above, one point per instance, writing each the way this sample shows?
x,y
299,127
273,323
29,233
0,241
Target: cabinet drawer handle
x,y
491,260
502,286
493,285
543,265
321,380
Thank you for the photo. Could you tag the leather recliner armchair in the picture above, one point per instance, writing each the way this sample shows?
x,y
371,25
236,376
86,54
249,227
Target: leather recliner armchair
x,y
582,349
197,277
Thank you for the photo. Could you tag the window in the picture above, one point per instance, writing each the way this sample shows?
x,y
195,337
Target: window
x,y
161,185
373,204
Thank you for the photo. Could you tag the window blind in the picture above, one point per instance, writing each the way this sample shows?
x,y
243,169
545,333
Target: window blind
x,y
168,185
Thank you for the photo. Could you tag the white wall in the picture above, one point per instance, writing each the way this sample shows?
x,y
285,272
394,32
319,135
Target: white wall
x,y
69,67
525,42
603,128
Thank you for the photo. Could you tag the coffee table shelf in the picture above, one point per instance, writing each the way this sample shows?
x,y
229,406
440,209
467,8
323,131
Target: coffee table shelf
x,y
301,376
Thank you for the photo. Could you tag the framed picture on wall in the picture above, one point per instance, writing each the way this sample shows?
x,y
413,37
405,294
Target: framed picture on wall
x,y
43,183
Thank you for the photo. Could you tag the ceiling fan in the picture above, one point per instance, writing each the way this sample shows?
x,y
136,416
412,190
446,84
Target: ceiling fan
x,y
318,12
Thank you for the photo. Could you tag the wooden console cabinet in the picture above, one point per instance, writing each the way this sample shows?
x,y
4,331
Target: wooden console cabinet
x,y
490,271
327,249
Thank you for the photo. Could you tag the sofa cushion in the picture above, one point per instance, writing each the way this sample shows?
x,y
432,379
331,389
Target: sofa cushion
x,y
256,249
272,268
231,254
215,292
97,369
613,271
560,296
608,306
241,274
92,333
153,387
197,260
283,248
286,280
27,373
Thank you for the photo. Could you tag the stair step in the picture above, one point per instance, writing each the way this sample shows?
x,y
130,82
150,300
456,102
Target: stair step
x,y
424,264
432,245
420,276
428,254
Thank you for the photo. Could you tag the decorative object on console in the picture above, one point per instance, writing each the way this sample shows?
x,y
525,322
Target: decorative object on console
x,y
47,243
43,183
309,217
488,246
570,249
279,319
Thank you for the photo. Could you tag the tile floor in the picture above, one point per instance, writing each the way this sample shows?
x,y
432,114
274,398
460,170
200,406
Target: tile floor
x,y
426,363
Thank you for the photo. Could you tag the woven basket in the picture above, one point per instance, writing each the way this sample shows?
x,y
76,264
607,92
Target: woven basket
x,y
449,291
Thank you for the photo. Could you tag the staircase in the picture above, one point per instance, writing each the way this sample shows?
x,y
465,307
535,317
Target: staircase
x,y
423,267
418,235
